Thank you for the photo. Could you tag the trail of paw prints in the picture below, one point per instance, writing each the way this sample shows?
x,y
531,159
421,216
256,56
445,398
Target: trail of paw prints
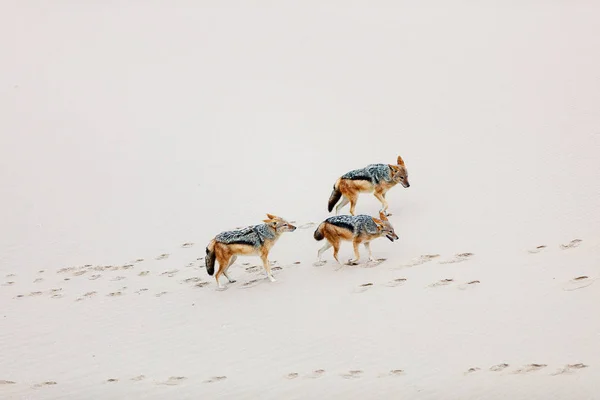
x,y
425,258
353,374
216,379
570,369
461,257
571,245
537,249
579,282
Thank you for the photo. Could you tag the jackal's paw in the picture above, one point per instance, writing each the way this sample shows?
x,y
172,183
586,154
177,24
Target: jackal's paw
x,y
352,262
232,281
319,263
271,278
221,288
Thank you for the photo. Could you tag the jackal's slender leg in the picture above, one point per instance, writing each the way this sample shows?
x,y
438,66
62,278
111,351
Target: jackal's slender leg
x,y
267,267
353,201
381,197
356,253
368,247
322,249
223,264
336,249
341,204
226,269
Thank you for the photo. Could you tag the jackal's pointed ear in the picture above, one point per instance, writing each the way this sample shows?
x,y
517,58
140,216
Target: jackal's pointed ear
x,y
378,222
382,216
400,161
395,169
271,216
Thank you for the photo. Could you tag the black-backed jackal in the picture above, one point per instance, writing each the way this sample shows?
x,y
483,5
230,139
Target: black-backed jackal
x,y
253,240
376,178
357,229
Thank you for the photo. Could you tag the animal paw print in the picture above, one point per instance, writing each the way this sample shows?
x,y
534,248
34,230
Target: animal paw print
x,y
5,382
173,380
421,260
115,294
396,282
192,280
141,290
162,257
570,368
143,273
363,287
537,249
443,282
187,244
579,282
86,296
38,280
374,263
469,284
458,258
252,269
353,374
9,283
112,380
215,379
94,277
117,278
138,378
292,375
317,374
44,384
171,273
530,368
571,245
201,284
472,370
160,294
498,367
251,283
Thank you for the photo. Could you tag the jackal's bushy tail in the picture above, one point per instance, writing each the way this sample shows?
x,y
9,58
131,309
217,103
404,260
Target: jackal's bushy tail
x,y
209,260
318,235
336,194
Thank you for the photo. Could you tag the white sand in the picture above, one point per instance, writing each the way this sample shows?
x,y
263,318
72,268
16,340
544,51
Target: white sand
x,y
128,131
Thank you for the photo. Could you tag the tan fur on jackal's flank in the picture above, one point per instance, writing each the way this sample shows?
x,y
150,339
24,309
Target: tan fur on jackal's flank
x,y
348,190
